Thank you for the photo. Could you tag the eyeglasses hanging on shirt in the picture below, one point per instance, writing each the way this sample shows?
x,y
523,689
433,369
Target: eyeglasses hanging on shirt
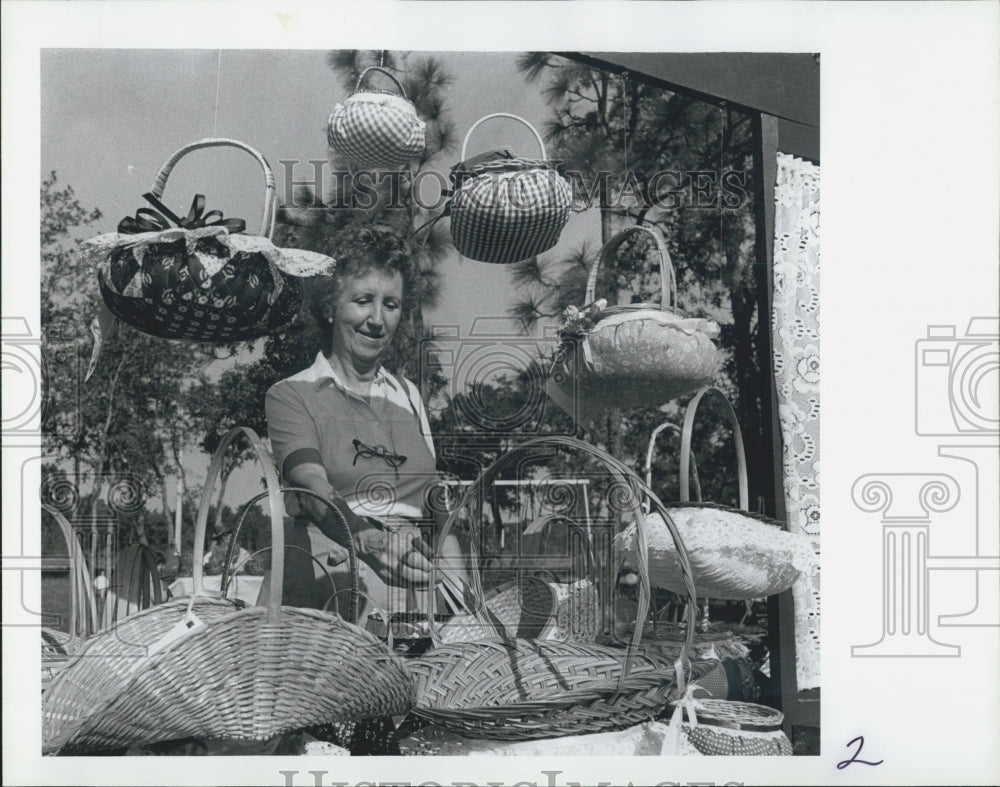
x,y
364,451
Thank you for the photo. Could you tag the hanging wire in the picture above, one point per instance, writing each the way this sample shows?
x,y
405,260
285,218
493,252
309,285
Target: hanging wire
x,y
218,82
624,76
722,167
381,58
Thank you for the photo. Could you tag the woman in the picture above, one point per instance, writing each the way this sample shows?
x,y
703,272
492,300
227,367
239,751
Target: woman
x,y
357,435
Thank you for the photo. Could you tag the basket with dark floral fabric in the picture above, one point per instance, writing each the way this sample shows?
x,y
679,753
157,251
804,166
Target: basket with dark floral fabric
x,y
200,277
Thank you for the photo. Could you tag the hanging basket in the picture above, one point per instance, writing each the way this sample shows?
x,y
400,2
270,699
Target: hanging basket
x,y
506,209
512,688
199,278
735,554
633,355
376,129
199,668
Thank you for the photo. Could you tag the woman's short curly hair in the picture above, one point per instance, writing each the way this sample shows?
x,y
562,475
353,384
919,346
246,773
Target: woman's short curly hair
x,y
357,251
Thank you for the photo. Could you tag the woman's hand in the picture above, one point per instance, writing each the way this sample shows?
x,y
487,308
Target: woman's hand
x,y
399,557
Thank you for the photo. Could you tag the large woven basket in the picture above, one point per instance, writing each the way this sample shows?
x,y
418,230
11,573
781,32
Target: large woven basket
x,y
238,674
632,355
515,688
200,278
506,209
376,129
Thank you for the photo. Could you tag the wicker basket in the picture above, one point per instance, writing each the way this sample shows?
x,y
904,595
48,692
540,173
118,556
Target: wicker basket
x,y
513,688
520,689
506,209
633,355
202,280
245,674
375,129
734,729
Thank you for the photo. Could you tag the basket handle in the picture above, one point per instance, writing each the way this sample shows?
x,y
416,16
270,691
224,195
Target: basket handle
x,y
531,128
80,582
277,519
270,191
649,457
668,279
357,87
623,475
352,556
741,458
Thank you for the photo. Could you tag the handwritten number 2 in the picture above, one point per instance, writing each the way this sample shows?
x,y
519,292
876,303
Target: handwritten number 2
x,y
860,740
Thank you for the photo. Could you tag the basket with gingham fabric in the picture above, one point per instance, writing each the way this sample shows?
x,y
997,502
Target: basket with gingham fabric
x,y
200,277
376,129
505,208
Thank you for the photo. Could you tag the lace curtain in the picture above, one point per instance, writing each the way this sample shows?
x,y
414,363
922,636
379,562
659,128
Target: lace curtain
x,y
795,323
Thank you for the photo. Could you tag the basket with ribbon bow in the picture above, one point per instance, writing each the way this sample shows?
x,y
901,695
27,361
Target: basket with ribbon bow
x,y
376,129
199,277
630,355
505,208
201,667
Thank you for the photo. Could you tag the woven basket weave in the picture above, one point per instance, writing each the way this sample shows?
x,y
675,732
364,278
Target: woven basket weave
x,y
633,355
507,210
512,688
521,689
245,674
375,129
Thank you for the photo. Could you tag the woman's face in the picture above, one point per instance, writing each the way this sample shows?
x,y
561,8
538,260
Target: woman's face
x,y
366,315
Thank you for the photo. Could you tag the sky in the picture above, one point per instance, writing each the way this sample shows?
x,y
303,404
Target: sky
x,y
111,117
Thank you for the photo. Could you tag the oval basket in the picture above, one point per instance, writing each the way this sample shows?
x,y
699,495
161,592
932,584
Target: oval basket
x,y
505,210
632,355
245,674
376,129
203,283
512,688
